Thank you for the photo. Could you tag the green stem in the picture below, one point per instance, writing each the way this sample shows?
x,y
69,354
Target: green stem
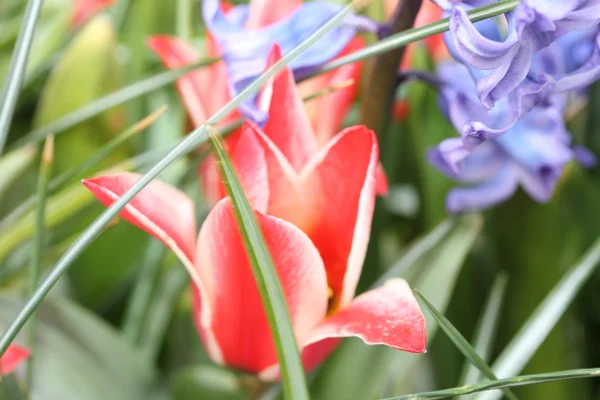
x,y
18,66
37,249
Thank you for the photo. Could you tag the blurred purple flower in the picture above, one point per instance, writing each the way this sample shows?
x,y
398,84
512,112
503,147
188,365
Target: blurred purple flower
x,y
245,50
532,153
532,26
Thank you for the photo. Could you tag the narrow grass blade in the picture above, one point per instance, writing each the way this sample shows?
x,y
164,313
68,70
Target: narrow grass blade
x,y
503,383
38,247
271,293
109,101
77,170
486,328
187,144
18,66
525,343
461,343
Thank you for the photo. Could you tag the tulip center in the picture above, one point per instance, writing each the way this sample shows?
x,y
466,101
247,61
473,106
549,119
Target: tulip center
x,y
333,303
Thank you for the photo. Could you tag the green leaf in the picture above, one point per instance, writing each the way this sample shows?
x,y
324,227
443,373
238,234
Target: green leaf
x,y
503,383
288,355
523,346
79,356
461,343
438,258
486,328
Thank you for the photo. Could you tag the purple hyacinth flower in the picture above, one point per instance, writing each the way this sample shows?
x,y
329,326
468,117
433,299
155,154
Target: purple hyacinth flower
x,y
532,154
245,50
532,26
572,61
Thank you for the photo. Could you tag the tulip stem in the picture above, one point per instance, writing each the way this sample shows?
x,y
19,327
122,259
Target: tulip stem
x,y
375,112
37,249
377,105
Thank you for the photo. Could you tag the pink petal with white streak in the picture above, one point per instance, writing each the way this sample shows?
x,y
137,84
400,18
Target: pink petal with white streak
x,y
232,303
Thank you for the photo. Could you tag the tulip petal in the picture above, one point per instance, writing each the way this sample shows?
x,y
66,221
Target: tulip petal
x,y
231,305
267,12
382,186
249,160
12,358
288,125
85,9
340,185
388,315
203,91
282,187
210,180
192,88
159,209
327,113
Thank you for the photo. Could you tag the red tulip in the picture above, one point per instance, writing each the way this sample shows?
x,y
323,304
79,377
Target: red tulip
x,y
85,9
315,205
12,358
